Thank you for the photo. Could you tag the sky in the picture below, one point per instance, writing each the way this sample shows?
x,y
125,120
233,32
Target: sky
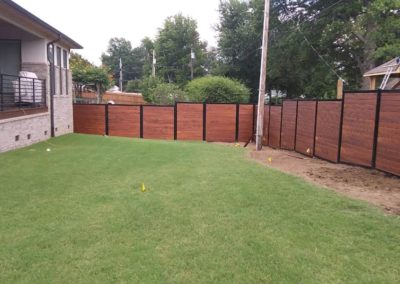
x,y
92,23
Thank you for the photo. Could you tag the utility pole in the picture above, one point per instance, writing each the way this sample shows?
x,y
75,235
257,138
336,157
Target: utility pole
x,y
153,72
120,74
192,57
263,78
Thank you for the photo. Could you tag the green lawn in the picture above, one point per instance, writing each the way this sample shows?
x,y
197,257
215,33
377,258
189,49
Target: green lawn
x,y
76,214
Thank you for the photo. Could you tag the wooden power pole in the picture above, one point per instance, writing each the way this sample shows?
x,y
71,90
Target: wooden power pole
x,y
263,78
153,72
192,57
120,74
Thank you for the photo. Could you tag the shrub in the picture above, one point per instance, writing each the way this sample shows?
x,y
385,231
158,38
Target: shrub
x,y
144,86
216,89
166,94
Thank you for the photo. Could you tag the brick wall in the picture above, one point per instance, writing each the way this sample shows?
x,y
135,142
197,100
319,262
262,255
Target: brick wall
x,y
37,126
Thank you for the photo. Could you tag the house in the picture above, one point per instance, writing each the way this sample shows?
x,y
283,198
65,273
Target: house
x,y
376,74
35,80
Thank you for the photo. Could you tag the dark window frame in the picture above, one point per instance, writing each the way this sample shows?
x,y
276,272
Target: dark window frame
x,y
59,64
65,64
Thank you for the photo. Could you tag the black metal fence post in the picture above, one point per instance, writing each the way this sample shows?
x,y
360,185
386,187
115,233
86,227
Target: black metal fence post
x,y
106,119
280,130
141,121
204,121
176,121
295,124
254,124
339,157
237,123
315,125
376,130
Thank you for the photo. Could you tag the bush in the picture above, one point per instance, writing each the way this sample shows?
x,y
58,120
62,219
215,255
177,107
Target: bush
x,y
216,89
144,86
167,94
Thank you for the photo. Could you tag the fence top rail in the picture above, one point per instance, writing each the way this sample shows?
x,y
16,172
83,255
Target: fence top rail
x,y
312,100
200,103
152,105
362,92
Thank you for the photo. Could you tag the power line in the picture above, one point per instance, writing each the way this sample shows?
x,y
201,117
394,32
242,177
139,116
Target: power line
x,y
311,45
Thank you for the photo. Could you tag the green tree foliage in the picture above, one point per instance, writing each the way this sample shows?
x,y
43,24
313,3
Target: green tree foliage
x,y
173,45
215,89
351,36
239,41
167,94
133,59
145,87
85,73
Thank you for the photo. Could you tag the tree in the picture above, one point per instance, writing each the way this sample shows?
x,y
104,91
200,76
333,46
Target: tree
x,y
311,42
174,43
214,89
86,73
239,42
132,59
167,94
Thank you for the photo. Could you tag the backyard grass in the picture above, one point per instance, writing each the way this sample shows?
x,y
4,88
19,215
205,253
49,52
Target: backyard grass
x,y
77,214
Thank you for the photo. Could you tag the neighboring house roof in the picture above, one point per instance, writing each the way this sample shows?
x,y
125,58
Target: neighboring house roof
x,y
381,69
35,21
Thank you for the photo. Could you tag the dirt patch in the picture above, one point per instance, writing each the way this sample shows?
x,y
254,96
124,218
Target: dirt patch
x,y
369,185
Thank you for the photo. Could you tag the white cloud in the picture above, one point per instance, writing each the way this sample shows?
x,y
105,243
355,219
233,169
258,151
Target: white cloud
x,y
93,23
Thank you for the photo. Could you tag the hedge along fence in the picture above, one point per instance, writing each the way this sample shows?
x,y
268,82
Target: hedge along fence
x,y
363,129
184,121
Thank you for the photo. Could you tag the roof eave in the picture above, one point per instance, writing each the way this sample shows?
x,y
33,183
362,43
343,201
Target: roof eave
x,y
73,44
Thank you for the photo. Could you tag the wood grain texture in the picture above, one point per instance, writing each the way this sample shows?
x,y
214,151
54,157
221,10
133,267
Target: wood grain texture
x,y
158,122
328,130
388,147
124,121
266,125
358,128
288,135
275,127
89,119
245,122
306,127
190,121
221,123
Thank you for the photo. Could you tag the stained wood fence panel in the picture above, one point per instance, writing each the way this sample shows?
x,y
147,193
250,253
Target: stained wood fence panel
x,y
221,123
246,123
266,126
189,121
289,116
358,128
306,127
388,147
124,121
89,119
158,122
275,127
328,130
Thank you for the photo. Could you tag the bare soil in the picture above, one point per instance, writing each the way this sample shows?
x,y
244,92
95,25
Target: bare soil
x,y
378,188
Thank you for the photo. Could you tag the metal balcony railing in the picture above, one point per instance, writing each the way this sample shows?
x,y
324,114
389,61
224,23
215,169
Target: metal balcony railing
x,y
18,92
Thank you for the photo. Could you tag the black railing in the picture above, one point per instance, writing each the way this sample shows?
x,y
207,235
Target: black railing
x,y
21,92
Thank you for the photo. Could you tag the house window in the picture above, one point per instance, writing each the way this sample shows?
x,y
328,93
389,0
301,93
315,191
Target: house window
x,y
59,63
10,57
65,65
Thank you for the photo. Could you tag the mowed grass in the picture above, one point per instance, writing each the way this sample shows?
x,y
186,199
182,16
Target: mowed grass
x,y
77,215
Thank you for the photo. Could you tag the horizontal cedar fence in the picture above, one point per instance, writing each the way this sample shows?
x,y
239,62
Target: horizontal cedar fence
x,y
362,129
184,121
